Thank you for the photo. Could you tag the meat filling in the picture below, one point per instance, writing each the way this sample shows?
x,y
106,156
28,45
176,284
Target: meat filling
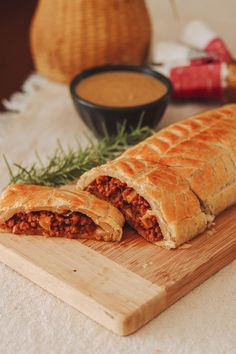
x,y
67,224
132,205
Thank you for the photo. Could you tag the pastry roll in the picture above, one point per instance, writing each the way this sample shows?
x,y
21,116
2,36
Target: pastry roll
x,y
183,175
155,201
202,150
37,210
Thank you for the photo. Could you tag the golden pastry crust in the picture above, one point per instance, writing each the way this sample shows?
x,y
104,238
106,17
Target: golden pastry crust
x,y
159,144
176,207
201,149
27,198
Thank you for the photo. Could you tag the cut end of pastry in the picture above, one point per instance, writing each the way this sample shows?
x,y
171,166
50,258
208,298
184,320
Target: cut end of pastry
x,y
38,210
156,202
135,208
47,223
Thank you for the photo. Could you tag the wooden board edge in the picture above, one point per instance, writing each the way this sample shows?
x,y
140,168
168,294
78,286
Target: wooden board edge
x,y
121,323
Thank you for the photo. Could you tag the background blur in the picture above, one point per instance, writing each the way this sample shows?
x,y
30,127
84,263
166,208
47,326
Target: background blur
x,y
15,17
218,14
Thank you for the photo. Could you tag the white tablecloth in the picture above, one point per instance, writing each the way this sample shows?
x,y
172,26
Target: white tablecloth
x,y
33,321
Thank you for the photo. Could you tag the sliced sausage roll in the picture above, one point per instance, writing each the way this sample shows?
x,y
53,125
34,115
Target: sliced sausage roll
x,y
155,201
38,210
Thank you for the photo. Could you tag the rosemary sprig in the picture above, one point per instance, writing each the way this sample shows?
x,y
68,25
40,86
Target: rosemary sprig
x,y
66,165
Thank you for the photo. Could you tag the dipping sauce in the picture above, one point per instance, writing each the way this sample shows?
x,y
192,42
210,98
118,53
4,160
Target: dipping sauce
x,y
120,89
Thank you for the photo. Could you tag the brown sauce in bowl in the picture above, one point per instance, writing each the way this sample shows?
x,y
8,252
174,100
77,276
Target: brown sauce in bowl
x,y
120,89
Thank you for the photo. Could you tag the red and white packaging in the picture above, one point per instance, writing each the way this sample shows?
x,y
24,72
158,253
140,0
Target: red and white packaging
x,y
198,35
174,53
205,81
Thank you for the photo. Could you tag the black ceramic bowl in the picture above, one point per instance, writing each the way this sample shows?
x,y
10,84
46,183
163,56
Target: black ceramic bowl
x,y
96,116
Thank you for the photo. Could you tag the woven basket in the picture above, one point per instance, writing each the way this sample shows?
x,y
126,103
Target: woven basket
x,y
69,36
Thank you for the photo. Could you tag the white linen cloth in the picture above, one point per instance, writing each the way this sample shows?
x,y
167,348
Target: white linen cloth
x,y
32,321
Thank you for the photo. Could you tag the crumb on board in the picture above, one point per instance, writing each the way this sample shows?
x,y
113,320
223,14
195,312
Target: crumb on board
x,y
145,265
185,246
211,231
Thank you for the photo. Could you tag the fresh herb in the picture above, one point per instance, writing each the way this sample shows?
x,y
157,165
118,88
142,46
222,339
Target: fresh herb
x,y
66,165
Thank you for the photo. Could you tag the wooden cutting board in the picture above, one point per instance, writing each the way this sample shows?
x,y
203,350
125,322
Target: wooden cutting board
x,y
121,286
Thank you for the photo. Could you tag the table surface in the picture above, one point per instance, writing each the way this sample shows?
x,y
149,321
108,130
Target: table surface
x,y
33,321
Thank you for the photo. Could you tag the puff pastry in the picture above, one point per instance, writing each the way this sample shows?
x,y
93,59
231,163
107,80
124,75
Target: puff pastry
x,y
201,149
37,210
186,173
165,198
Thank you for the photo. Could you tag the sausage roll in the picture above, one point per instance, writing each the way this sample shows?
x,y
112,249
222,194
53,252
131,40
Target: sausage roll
x,y
37,210
202,150
154,200
183,175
